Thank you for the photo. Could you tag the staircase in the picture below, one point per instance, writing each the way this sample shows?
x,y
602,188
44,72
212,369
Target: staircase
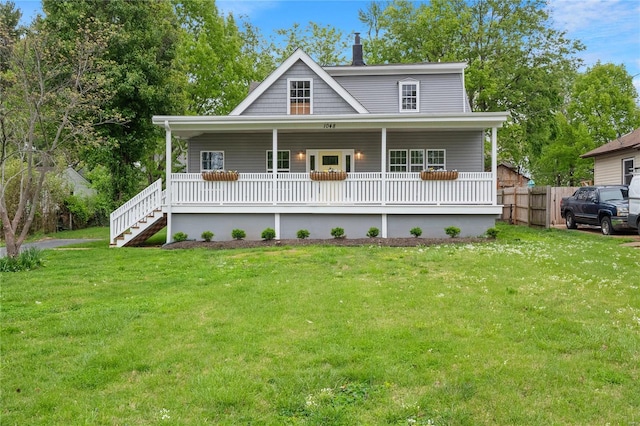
x,y
139,218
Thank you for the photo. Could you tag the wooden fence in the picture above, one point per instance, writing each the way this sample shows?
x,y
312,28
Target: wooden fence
x,y
537,206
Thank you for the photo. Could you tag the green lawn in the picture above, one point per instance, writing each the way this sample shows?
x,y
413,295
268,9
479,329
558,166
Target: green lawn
x,y
536,328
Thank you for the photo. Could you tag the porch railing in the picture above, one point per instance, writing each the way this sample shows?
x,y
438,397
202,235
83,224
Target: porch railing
x,y
138,207
470,188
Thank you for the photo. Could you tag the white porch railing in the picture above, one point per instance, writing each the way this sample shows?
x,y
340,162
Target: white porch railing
x,y
474,188
136,208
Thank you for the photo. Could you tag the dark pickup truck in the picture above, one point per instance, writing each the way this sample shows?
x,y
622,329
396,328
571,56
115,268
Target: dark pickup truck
x,y
604,206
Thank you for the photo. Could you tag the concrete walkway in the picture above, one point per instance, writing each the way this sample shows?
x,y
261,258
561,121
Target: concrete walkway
x,y
48,244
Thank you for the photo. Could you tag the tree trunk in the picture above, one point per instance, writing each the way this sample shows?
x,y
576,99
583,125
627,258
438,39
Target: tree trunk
x,y
12,246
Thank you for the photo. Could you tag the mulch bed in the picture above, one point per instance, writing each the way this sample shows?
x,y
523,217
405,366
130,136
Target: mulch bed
x,y
343,242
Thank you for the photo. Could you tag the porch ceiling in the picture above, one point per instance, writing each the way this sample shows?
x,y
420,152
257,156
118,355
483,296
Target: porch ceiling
x,y
190,126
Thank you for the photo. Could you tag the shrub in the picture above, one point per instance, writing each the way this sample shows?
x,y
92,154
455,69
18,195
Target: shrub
x,y
180,236
303,233
238,234
452,231
338,232
207,236
416,232
268,234
27,260
492,233
373,232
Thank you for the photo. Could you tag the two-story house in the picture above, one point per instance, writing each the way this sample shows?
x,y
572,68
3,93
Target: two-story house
x,y
316,147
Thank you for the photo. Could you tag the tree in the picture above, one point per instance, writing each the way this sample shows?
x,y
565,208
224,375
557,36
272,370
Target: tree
x,y
9,31
50,101
326,45
144,80
605,101
516,60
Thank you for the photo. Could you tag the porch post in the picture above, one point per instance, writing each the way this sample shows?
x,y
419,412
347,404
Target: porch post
x,y
494,165
383,166
274,168
167,178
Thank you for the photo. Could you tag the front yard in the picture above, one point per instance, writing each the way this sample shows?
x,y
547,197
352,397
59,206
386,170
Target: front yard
x,y
538,327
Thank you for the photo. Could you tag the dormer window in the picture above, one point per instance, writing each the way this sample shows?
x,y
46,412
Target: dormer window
x,y
409,94
300,96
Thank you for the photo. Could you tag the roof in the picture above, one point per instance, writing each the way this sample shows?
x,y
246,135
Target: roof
x,y
628,141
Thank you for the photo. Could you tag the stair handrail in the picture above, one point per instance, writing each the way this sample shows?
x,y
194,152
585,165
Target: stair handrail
x,y
141,205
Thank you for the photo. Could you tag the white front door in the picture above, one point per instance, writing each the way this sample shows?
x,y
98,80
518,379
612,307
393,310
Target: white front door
x,y
322,160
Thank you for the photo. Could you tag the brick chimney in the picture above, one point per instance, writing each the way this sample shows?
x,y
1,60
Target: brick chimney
x,y
358,59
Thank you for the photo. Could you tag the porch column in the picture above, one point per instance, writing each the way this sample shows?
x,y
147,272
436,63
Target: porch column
x,y
494,165
383,167
274,168
167,178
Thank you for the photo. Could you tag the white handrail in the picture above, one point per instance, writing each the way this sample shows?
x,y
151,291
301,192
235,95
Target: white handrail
x,y
141,205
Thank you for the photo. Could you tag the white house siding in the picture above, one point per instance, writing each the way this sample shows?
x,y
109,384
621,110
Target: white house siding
x,y
439,93
274,100
608,168
246,152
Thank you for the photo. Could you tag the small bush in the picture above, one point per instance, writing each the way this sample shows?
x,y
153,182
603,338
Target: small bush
x,y
373,232
238,234
268,234
452,231
338,232
303,233
207,236
27,260
180,236
416,232
492,233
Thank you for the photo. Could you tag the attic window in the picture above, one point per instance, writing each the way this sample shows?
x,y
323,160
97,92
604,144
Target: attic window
x,y
409,94
300,96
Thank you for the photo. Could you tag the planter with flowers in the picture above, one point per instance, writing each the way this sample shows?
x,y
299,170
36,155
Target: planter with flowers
x,y
220,175
329,175
439,175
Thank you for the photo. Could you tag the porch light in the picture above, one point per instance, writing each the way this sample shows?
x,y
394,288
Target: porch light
x,y
358,155
301,155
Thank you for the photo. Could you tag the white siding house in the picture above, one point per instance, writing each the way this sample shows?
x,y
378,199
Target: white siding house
x,y
350,144
616,161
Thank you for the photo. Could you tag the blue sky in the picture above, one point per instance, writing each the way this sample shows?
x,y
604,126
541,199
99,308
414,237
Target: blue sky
x,y
610,29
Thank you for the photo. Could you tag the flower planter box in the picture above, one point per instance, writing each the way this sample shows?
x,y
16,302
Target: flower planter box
x,y
328,175
439,175
219,176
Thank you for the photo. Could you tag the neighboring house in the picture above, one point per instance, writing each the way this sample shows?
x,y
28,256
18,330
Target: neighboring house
x,y
78,184
370,130
616,161
509,176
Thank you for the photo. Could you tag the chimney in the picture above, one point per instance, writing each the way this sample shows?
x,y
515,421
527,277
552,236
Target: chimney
x,y
358,60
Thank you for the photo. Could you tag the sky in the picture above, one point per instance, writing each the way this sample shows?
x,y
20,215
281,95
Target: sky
x,y
610,29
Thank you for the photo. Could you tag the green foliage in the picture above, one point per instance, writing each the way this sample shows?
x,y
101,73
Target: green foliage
x,y
268,234
452,231
80,210
373,232
207,236
492,233
180,236
28,259
326,45
338,232
302,234
416,232
238,234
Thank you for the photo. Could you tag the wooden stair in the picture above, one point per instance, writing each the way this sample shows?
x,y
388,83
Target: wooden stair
x,y
142,230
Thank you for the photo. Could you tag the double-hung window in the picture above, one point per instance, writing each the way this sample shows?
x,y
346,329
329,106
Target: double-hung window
x,y
300,96
409,96
416,160
436,159
627,170
211,160
397,160
283,161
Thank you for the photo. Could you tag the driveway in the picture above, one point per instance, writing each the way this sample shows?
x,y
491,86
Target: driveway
x,y
48,244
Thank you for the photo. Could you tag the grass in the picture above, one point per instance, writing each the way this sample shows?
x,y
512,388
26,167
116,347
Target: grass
x,y
538,327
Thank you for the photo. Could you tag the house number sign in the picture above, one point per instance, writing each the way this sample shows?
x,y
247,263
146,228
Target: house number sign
x,y
329,126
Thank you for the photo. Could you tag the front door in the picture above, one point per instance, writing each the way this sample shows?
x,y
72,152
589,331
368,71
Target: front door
x,y
340,160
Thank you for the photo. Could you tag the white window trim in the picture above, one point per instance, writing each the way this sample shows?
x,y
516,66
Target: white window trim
x,y
289,80
217,150
266,156
411,164
633,165
403,83
426,159
406,152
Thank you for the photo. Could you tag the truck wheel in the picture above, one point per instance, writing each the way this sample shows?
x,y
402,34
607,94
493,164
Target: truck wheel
x,y
570,220
605,226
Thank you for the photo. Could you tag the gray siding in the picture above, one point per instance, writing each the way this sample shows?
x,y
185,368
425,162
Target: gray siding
x,y
246,152
439,93
274,100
